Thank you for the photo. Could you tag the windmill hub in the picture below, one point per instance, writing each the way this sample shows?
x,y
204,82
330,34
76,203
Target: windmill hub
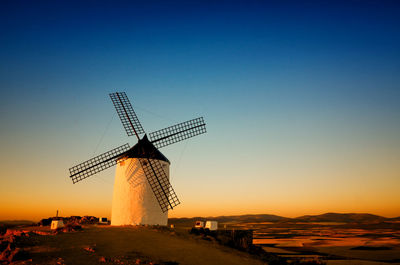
x,y
145,149
142,191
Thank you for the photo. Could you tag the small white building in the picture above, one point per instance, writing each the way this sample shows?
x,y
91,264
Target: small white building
x,y
56,224
211,225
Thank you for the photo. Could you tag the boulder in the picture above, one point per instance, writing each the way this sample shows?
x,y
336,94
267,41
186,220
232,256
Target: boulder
x,y
12,232
89,220
11,253
90,248
3,245
71,227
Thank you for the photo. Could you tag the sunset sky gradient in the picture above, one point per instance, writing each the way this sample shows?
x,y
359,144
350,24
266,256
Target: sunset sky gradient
x,y
301,101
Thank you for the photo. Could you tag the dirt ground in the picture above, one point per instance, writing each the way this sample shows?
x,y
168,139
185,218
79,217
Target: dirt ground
x,y
131,245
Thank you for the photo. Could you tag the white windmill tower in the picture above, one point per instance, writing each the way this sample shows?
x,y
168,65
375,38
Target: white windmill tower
x,y
142,191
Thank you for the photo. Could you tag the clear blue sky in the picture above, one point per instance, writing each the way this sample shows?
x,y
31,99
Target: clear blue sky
x,y
301,100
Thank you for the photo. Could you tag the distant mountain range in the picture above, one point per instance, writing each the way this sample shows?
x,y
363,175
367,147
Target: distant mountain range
x,y
248,218
344,218
327,217
347,218
16,222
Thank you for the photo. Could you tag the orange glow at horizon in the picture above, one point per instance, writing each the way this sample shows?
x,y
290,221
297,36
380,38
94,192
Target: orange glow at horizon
x,y
34,210
364,194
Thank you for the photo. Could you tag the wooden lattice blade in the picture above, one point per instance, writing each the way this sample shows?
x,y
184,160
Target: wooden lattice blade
x,y
97,164
178,132
126,113
159,183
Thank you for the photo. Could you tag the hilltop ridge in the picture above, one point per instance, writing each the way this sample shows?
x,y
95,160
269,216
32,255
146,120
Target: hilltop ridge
x,y
326,217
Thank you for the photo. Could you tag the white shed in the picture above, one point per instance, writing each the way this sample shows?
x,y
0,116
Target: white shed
x,y
56,224
212,225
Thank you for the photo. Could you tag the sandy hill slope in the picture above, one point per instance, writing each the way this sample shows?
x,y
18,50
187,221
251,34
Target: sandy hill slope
x,y
130,245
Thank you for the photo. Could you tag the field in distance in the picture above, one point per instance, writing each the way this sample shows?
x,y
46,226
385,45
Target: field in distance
x,y
359,239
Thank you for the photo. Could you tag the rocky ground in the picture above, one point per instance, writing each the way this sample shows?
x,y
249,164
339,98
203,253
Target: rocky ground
x,y
94,244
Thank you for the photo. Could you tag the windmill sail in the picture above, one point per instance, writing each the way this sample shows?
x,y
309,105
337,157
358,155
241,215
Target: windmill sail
x,y
159,183
178,132
148,159
126,113
97,164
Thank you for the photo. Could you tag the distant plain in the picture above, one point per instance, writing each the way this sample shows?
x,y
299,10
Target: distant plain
x,y
357,239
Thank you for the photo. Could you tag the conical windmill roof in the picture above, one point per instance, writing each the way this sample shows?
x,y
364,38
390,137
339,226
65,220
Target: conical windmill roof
x,y
145,149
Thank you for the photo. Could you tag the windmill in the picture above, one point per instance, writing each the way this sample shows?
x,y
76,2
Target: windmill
x,y
142,191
